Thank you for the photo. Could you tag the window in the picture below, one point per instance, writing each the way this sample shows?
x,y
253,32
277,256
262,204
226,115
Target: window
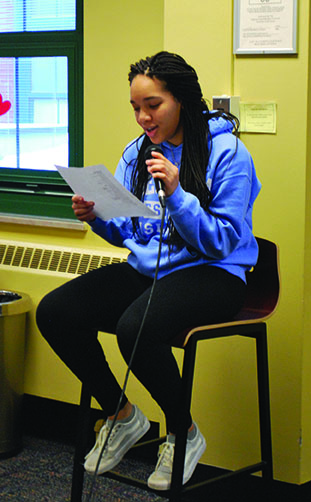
x,y
34,131
41,104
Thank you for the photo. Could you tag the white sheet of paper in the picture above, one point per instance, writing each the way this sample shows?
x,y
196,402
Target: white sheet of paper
x,y
97,184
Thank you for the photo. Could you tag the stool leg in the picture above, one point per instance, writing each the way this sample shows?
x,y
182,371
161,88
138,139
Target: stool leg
x,y
264,402
181,433
81,444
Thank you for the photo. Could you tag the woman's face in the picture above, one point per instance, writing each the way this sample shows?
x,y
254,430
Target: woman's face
x,y
156,110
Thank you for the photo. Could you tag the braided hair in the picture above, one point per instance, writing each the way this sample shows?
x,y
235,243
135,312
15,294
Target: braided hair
x,y
181,80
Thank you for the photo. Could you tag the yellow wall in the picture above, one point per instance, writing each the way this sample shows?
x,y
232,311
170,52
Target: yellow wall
x,y
116,34
306,373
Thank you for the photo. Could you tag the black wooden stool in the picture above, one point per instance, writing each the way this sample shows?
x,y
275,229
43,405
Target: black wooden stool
x,y
261,301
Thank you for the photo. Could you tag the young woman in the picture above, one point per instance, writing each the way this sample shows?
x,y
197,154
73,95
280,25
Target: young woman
x,y
210,186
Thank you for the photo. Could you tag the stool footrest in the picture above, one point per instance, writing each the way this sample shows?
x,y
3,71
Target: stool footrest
x,y
128,480
137,483
227,475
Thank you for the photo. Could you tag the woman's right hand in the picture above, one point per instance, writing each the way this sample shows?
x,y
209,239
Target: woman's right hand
x,y
83,209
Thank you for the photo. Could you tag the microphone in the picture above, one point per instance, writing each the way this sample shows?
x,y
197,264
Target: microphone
x,y
158,183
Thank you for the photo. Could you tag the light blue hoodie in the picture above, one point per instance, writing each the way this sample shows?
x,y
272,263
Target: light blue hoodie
x,y
222,237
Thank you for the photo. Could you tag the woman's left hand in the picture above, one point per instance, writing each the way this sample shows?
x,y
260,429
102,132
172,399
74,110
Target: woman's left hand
x,y
160,167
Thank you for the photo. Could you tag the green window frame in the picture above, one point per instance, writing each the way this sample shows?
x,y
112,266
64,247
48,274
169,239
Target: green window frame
x,y
38,192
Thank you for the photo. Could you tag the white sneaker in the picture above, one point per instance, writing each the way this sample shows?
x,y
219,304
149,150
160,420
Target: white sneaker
x,y
122,438
160,479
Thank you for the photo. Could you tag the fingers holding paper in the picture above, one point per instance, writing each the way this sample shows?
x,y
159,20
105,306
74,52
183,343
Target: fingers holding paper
x,y
83,209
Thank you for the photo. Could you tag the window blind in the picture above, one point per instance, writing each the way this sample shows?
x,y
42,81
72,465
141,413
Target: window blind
x,y
37,15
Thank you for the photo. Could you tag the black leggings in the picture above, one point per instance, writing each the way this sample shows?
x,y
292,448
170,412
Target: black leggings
x,y
113,299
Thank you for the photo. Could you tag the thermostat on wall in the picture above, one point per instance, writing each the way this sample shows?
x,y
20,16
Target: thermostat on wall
x,y
229,104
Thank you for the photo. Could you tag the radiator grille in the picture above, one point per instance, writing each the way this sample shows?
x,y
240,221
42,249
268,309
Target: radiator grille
x,y
61,260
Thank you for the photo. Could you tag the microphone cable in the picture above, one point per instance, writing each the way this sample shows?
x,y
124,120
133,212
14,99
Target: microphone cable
x,y
91,492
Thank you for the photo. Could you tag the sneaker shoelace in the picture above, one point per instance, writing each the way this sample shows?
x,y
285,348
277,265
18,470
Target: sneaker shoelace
x,y
101,438
166,455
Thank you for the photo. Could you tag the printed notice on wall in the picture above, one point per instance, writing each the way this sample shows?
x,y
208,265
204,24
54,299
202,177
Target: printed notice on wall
x,y
265,26
259,118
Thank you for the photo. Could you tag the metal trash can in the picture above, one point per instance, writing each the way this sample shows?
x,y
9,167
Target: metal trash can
x,y
13,308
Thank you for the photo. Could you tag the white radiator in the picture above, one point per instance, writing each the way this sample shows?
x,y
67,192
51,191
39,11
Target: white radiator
x,y
53,259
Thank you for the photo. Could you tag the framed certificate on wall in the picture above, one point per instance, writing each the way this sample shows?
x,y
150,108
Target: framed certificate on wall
x,y
265,27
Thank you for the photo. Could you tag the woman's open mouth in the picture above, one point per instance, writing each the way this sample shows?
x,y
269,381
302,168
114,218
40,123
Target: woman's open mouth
x,y
151,131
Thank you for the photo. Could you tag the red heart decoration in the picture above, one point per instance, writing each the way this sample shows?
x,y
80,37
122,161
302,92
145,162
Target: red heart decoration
x,y
4,106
